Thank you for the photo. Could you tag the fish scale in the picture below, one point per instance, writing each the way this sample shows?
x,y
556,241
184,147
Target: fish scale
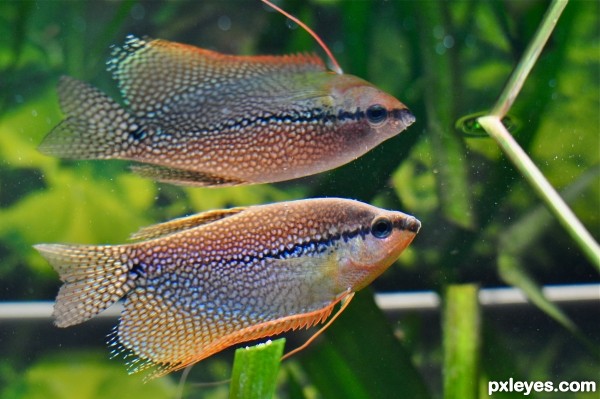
x,y
196,285
197,117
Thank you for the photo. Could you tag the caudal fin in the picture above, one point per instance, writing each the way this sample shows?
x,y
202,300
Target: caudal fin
x,y
94,278
96,127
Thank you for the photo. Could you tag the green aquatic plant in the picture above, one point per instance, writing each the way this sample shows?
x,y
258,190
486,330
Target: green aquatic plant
x,y
461,341
255,370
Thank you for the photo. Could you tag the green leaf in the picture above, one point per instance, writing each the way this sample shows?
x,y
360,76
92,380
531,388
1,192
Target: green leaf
x,y
514,273
255,370
520,237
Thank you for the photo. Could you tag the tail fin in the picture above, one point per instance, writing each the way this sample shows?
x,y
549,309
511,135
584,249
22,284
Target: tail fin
x,y
94,278
96,127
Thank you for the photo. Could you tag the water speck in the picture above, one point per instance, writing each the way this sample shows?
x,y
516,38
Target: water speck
x,y
440,49
448,41
224,23
138,12
338,47
291,24
408,23
79,24
470,41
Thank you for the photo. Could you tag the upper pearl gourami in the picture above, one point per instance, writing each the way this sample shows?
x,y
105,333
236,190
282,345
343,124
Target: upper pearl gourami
x,y
197,285
198,117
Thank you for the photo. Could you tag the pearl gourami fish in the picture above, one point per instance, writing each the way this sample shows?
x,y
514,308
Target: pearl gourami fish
x,y
197,285
197,117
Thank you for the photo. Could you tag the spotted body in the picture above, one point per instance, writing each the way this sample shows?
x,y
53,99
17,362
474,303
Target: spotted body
x,y
197,285
198,117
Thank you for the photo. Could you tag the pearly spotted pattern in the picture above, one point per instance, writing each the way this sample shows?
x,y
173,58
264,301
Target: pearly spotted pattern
x,y
197,285
195,116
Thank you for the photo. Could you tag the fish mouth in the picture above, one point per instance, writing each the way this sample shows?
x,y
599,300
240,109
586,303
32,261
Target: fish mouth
x,y
409,223
404,116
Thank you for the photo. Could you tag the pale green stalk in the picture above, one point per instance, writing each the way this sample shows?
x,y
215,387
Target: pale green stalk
x,y
493,126
461,328
514,85
532,174
255,370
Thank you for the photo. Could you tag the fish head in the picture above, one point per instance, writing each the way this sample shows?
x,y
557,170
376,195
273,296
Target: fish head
x,y
385,235
373,115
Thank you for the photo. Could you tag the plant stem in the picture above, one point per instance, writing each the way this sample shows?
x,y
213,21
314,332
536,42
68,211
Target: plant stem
x,y
532,174
493,125
255,370
514,85
461,342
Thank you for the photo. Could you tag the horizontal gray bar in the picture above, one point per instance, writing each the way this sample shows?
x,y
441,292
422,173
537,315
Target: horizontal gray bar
x,y
400,301
489,297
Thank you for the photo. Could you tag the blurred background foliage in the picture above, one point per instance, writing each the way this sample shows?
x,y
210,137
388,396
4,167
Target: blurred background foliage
x,y
481,223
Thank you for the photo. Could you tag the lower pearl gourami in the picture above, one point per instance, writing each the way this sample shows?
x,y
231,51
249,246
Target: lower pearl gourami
x,y
197,285
198,117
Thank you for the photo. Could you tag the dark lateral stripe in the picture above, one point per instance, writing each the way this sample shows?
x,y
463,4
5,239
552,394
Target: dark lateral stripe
x,y
317,246
355,116
313,115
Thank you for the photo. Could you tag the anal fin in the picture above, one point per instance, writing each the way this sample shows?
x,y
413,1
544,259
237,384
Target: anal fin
x,y
185,177
258,331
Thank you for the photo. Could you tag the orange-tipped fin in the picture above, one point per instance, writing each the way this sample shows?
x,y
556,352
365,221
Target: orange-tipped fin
x,y
258,331
180,84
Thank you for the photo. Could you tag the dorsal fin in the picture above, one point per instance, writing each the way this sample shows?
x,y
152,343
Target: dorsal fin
x,y
182,84
184,223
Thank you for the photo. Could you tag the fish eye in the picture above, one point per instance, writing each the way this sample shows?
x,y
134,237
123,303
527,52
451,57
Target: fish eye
x,y
381,227
376,114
